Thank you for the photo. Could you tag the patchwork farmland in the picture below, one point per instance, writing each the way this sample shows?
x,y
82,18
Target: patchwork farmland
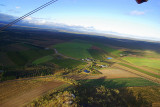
x,y
50,68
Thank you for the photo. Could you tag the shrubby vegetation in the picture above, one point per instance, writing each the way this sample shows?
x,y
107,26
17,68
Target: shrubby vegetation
x,y
92,96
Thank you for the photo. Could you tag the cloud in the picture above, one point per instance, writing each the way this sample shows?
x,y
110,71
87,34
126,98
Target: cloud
x,y
5,17
2,5
137,13
13,11
17,7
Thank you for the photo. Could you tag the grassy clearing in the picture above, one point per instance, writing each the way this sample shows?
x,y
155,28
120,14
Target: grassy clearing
x,y
140,70
20,58
73,49
67,63
43,59
153,63
119,82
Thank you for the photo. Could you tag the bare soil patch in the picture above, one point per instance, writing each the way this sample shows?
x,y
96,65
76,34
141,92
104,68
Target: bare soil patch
x,y
117,73
112,73
107,73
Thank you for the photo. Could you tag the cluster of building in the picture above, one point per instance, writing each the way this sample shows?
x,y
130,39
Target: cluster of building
x,y
88,59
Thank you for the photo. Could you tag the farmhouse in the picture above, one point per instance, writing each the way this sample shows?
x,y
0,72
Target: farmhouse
x,y
87,59
109,58
123,55
103,66
86,71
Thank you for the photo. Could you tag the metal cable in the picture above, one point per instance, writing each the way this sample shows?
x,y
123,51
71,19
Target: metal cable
x,y
28,14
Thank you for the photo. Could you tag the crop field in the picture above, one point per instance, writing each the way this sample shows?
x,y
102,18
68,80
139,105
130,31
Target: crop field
x,y
17,93
153,63
13,88
119,82
73,49
140,70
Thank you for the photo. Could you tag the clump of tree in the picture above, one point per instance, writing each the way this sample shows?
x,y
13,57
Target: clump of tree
x,y
32,71
56,99
94,68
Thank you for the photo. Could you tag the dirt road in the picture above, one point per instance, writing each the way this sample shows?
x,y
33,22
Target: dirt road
x,y
23,99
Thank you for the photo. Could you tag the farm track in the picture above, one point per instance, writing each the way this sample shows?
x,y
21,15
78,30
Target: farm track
x,y
27,97
56,52
137,73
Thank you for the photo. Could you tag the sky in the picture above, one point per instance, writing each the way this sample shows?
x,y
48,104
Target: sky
x,y
124,17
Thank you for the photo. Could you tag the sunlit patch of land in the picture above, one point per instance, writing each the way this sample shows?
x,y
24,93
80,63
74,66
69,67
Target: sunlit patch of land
x,y
119,72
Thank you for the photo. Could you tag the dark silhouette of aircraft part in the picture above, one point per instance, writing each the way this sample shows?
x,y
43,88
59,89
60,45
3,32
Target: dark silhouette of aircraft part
x,y
141,1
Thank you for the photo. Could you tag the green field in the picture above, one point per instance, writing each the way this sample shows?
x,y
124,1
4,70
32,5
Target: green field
x,y
96,54
22,57
67,63
108,49
140,70
82,49
153,63
43,59
73,49
119,82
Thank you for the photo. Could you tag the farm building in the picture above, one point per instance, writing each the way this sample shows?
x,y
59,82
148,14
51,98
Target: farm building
x,y
86,71
87,59
103,66
109,58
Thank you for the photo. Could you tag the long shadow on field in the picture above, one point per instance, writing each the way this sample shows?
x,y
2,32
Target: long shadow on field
x,y
101,93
